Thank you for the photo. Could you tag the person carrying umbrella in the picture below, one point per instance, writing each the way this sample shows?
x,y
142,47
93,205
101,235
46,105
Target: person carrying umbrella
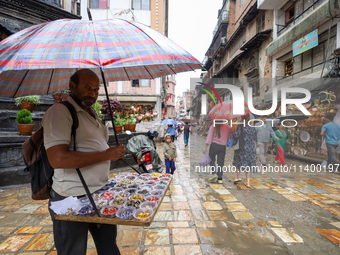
x,y
93,157
217,139
171,131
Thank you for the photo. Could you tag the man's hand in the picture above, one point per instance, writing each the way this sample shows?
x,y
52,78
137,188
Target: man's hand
x,y
174,159
170,159
277,139
116,152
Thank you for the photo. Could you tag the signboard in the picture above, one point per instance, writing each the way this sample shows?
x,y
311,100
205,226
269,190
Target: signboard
x,y
305,43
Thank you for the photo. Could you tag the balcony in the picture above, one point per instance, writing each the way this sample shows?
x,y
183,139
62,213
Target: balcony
x,y
270,4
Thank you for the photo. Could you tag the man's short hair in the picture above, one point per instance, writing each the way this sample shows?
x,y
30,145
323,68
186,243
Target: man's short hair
x,y
186,123
75,78
330,116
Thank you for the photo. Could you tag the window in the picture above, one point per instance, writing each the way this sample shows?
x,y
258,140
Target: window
x,y
289,14
135,83
141,5
98,4
260,23
255,86
144,83
289,67
141,83
78,8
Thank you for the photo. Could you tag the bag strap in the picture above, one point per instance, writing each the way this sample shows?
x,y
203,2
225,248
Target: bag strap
x,y
75,125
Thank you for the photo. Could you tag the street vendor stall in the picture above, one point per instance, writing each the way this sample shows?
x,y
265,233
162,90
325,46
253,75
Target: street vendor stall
x,y
305,141
127,199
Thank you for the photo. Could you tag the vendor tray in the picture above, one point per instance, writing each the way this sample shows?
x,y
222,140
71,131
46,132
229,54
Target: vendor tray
x,y
113,221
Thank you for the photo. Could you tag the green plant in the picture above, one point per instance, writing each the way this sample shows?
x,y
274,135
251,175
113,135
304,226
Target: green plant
x,y
29,99
24,117
125,121
132,121
119,122
96,106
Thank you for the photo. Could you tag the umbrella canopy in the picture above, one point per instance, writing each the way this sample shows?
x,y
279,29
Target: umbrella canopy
x,y
225,111
41,58
168,122
189,119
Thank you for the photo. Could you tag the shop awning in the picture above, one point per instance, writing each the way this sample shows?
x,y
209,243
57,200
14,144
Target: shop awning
x,y
309,82
132,99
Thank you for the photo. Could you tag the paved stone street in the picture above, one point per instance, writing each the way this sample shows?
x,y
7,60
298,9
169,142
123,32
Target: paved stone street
x,y
283,213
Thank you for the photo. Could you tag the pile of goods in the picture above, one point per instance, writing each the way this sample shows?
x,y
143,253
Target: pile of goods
x,y
127,196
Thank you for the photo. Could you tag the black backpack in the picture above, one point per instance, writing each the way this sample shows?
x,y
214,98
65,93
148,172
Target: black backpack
x,y
36,160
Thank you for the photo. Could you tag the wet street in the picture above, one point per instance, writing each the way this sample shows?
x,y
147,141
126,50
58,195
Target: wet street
x,y
283,213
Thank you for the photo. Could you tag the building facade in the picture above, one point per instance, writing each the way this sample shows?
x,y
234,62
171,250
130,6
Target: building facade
x,y
153,13
180,112
20,14
170,99
238,49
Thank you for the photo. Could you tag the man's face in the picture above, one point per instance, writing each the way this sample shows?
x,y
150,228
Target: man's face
x,y
264,119
168,139
86,92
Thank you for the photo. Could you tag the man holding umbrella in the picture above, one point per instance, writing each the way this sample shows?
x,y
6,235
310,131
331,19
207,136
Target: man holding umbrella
x,y
93,157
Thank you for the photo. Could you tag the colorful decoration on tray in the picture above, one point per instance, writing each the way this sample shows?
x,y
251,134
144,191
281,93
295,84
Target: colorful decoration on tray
x,y
156,174
133,203
125,215
163,183
110,211
143,215
140,197
107,195
153,199
118,201
86,210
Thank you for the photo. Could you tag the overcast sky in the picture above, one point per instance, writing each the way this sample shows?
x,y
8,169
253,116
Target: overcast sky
x,y
191,23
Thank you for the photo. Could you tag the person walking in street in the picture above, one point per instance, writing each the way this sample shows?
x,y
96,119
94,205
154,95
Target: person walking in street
x,y
331,131
245,156
170,154
283,135
263,134
217,140
186,132
92,157
171,130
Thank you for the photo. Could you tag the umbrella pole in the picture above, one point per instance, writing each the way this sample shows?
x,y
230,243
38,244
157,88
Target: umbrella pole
x,y
111,114
108,102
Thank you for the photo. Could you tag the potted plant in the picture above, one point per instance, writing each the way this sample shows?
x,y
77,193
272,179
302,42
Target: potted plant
x,y
24,122
126,123
119,125
115,106
27,102
97,106
60,95
132,124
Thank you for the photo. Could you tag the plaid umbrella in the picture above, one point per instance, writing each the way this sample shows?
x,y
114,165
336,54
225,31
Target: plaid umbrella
x,y
41,58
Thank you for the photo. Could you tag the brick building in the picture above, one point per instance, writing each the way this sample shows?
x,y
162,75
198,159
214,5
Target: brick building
x,y
170,100
180,112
